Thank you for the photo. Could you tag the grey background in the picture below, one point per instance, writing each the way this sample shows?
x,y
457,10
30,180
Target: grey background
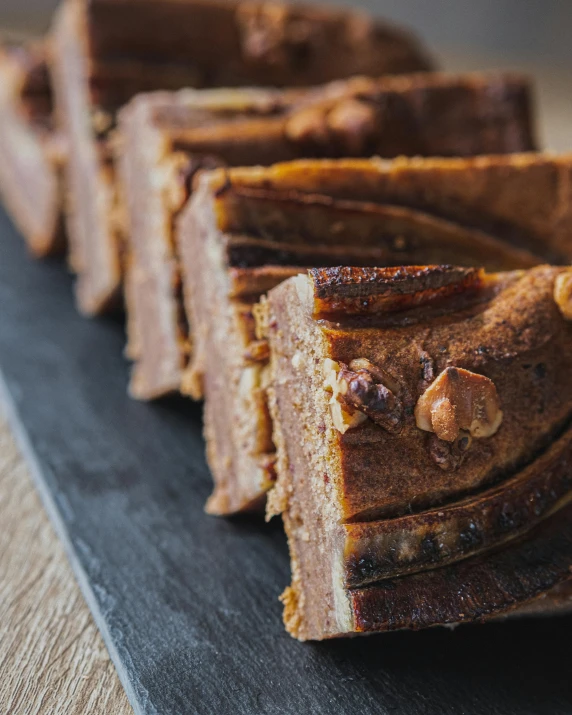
x,y
536,29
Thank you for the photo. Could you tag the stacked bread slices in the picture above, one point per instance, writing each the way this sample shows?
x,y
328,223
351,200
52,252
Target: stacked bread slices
x,y
296,213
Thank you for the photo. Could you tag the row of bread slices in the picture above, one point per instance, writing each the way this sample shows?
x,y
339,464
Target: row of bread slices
x,y
406,422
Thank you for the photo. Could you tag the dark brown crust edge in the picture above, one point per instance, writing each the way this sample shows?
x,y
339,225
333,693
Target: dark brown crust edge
x,y
472,590
355,291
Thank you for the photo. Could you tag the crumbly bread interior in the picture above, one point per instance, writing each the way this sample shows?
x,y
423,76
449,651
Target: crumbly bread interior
x,y
149,175
316,605
237,425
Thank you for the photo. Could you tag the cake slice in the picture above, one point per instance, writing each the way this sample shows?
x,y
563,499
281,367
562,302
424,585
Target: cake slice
x,y
422,418
32,151
167,137
247,229
106,51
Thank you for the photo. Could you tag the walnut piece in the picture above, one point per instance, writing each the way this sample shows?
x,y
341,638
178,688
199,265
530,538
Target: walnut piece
x,y
361,391
344,418
459,400
563,293
381,376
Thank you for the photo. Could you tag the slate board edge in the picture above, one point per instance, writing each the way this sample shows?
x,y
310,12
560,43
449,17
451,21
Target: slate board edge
x,y
8,405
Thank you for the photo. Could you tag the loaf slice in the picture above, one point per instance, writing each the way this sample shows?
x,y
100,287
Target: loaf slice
x,y
32,151
422,418
108,51
167,137
246,230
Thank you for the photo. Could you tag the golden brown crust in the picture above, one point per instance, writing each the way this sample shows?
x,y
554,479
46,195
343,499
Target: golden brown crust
x,y
522,200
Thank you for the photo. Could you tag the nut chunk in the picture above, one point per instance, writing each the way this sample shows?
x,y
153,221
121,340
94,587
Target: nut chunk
x,y
344,416
356,395
459,400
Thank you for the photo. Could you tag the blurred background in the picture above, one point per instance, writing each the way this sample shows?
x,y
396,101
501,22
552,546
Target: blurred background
x,y
530,35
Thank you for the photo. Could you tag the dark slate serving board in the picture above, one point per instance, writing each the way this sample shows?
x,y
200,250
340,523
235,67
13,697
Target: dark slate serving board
x,y
187,603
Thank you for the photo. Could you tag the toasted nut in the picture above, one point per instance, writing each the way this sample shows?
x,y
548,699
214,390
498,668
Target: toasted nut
x,y
344,418
308,126
380,375
362,392
353,122
563,293
459,400
331,370
358,390
450,455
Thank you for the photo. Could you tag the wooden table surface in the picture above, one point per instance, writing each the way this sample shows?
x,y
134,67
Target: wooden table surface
x,y
52,658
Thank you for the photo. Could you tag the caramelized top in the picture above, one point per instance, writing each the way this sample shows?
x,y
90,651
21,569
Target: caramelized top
x,y
519,199
346,291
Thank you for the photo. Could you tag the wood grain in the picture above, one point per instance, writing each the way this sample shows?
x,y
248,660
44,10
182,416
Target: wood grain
x,y
52,657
